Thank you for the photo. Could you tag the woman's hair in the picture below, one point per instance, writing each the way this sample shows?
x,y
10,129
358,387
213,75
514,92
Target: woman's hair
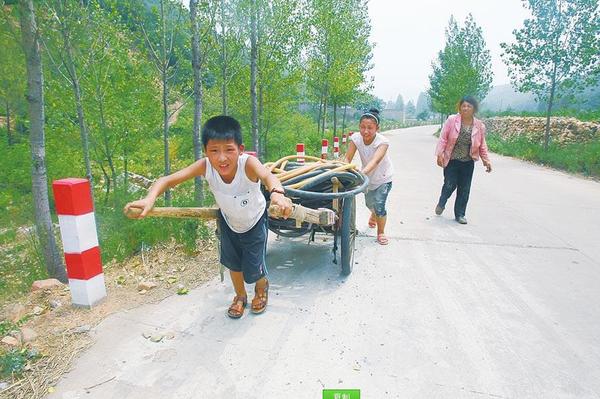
x,y
372,114
471,100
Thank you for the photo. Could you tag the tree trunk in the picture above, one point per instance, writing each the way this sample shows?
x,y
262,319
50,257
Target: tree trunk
x,y
8,132
253,74
83,130
324,112
198,194
106,143
344,120
35,99
165,99
334,121
261,128
549,109
224,59
319,117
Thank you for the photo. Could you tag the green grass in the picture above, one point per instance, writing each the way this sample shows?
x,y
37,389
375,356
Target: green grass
x,y
581,158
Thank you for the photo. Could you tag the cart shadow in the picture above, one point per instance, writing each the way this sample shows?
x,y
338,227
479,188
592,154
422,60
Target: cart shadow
x,y
295,264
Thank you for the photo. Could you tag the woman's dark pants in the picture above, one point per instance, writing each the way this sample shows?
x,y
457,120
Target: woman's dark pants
x,y
457,175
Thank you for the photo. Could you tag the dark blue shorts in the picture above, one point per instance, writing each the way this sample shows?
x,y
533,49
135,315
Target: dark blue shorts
x,y
245,252
376,199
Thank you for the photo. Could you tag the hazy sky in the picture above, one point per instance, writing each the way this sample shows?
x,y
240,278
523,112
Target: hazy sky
x,y
409,34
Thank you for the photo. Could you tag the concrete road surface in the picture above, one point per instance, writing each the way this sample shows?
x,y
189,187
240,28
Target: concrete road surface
x,y
507,306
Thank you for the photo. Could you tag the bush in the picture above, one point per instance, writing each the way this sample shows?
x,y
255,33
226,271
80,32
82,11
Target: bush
x,y
575,158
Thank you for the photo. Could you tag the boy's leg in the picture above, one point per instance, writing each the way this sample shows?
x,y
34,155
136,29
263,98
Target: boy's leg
x,y
237,278
254,247
230,257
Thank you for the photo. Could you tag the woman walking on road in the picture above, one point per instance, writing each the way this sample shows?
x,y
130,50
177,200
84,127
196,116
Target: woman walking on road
x,y
462,142
372,148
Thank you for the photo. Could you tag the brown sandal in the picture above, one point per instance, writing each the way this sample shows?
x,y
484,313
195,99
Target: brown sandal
x,y
259,303
236,310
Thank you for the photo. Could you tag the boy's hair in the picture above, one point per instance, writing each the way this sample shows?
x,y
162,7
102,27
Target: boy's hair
x,y
222,127
471,100
372,114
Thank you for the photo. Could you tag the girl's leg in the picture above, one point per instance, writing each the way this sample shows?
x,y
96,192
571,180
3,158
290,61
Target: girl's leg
x,y
370,199
381,213
372,220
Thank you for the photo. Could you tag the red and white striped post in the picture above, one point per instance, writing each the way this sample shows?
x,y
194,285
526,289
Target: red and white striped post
x,y
324,148
75,211
300,152
336,147
343,139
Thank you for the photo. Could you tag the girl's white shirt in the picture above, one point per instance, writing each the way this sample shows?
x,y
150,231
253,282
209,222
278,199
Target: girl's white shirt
x,y
384,172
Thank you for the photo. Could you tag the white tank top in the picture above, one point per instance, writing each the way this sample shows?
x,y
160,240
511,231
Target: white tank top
x,y
384,172
241,201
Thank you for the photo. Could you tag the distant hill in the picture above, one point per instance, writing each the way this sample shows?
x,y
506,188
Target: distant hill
x,y
504,97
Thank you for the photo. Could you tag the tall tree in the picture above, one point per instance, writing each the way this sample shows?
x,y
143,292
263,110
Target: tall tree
x,y
11,64
39,179
462,68
399,105
557,52
254,73
163,53
423,103
410,109
68,18
198,194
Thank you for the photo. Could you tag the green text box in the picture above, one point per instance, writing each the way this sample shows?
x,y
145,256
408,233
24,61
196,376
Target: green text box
x,y
341,393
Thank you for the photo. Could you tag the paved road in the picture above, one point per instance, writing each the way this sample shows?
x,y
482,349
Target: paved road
x,y
504,307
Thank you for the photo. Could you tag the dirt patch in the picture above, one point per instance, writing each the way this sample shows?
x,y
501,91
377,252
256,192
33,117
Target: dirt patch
x,y
63,330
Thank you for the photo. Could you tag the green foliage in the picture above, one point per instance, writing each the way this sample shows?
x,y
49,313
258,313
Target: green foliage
x,y
309,50
13,362
575,158
557,52
462,68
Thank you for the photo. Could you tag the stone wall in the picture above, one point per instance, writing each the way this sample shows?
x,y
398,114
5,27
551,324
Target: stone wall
x,y
562,130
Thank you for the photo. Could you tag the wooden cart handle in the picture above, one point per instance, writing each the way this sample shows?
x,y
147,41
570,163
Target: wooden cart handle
x,y
321,216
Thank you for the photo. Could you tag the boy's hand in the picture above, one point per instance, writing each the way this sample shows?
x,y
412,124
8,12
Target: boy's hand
x,y
284,204
144,204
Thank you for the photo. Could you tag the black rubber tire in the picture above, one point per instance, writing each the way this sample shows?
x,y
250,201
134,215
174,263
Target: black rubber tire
x,y
348,234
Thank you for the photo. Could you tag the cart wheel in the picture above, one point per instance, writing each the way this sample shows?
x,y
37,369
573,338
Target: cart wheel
x,y
348,234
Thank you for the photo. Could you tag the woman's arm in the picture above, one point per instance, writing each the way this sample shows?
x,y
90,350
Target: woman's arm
x,y
483,151
377,157
443,141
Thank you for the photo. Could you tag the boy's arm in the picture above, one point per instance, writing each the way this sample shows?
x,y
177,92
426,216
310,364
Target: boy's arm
x,y
164,183
256,170
377,157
